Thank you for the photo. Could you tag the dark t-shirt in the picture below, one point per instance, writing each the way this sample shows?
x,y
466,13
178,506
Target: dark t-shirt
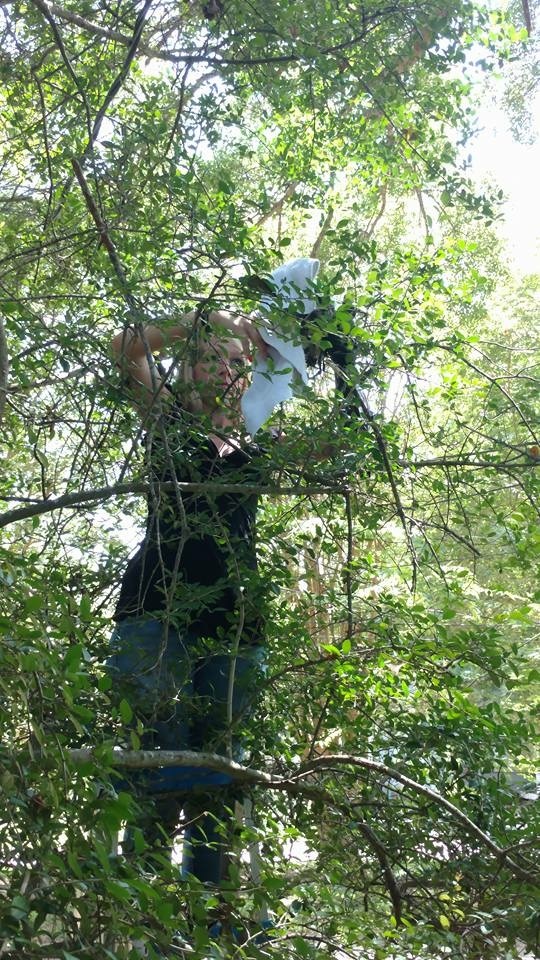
x,y
197,565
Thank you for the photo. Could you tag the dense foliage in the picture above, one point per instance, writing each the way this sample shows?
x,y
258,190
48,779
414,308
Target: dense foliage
x,y
157,158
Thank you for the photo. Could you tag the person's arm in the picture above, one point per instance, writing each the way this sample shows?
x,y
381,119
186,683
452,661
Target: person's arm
x,y
134,351
239,326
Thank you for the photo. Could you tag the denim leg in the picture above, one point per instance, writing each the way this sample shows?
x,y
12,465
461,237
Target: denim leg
x,y
182,699
151,669
208,838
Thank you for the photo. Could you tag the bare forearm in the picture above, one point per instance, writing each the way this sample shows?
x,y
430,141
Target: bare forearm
x,y
134,345
238,325
134,351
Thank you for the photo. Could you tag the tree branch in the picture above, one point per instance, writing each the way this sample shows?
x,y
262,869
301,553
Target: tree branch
x,y
81,497
428,792
70,17
322,233
116,85
370,229
382,857
472,461
141,487
379,439
277,207
93,128
4,367
527,16
105,238
45,11
212,58
294,783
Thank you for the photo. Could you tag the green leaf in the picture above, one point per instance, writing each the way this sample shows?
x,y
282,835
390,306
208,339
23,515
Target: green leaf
x,y
125,710
164,910
19,907
73,863
85,608
73,657
301,947
118,889
33,603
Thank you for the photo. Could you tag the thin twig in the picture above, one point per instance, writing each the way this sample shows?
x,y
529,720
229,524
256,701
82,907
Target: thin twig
x,y
495,382
101,494
348,563
527,16
379,439
105,238
422,524
4,367
326,224
295,783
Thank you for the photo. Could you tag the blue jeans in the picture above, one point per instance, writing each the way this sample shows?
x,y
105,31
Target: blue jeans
x,y
178,686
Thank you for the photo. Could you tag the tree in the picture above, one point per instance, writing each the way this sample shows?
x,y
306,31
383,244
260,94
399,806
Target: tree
x,y
157,159
522,75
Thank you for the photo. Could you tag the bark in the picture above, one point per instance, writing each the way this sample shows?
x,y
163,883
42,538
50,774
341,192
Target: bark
x,y
4,368
300,781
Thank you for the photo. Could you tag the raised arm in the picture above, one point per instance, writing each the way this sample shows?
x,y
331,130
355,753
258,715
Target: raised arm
x,y
134,351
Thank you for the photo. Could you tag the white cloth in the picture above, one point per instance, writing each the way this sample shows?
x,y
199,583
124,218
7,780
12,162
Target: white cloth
x,y
274,382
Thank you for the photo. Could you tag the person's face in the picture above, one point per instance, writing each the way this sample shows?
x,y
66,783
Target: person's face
x,y
221,372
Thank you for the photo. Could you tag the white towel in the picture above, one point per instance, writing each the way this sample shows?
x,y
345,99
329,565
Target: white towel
x,y
274,382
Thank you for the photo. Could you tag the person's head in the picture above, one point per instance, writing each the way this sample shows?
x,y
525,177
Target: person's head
x,y
217,371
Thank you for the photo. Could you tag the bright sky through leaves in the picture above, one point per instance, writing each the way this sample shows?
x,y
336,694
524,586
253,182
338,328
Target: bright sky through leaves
x,y
514,167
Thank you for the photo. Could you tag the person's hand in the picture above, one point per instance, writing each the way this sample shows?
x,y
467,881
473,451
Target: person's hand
x,y
251,332
239,326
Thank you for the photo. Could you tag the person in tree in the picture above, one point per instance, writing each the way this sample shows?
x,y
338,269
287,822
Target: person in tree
x,y
189,639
